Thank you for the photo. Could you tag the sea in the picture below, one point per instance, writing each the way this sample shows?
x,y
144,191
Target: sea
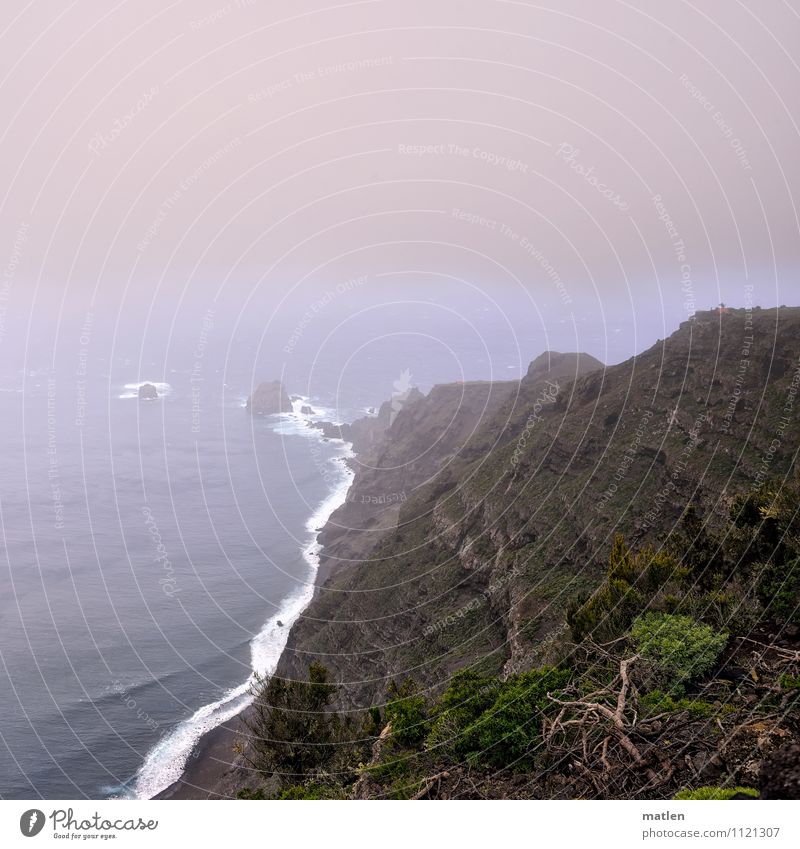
x,y
155,553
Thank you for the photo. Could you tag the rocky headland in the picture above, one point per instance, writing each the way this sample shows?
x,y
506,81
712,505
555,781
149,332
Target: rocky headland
x,y
498,529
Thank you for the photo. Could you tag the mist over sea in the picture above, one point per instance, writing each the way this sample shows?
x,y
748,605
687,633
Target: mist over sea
x,y
150,548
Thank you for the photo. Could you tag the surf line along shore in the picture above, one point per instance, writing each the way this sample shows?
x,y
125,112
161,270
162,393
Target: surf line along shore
x,y
198,754
212,759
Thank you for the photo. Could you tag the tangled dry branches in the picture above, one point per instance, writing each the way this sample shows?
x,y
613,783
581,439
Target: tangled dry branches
x,y
590,734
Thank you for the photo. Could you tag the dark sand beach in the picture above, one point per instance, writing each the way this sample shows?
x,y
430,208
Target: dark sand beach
x,y
213,758
214,769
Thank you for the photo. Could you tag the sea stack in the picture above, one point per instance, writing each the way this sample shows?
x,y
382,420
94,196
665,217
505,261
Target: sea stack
x,y
269,398
148,392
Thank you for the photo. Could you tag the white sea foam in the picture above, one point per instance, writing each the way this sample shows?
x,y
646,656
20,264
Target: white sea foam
x,y
297,423
166,762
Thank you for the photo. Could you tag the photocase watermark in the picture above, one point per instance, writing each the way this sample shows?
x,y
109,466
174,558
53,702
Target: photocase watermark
x,y
196,378
451,620
523,242
320,72
32,822
401,389
218,14
83,364
385,498
496,160
660,499
744,362
786,419
547,397
132,705
169,203
9,272
94,826
168,582
317,306
679,249
475,604
569,153
104,139
476,219
719,119
53,470
631,452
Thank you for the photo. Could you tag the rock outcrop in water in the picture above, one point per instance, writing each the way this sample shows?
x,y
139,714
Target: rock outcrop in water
x,y
148,392
269,398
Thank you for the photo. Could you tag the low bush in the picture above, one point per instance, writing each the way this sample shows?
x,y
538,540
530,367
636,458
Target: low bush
x,y
678,647
407,710
659,702
468,696
509,730
779,590
707,793
310,791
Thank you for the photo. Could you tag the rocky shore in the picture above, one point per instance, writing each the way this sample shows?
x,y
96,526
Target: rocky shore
x,y
447,420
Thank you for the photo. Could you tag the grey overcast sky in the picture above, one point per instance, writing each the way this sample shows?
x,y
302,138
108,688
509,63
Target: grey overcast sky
x,y
592,156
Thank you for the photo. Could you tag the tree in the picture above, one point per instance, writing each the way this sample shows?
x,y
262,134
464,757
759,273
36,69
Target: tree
x,y
292,732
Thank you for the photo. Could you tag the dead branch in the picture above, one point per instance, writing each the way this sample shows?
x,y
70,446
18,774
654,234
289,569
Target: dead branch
x,y
591,710
428,783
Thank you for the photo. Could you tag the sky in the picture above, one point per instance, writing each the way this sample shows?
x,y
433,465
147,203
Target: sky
x,y
609,164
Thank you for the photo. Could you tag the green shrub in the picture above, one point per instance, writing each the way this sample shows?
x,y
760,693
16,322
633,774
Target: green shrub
x,y
679,648
779,590
764,524
468,696
658,702
407,711
249,793
488,721
505,733
790,682
706,793
632,580
310,791
700,551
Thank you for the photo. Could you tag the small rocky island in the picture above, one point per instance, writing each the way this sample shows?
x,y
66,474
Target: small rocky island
x,y
269,398
148,392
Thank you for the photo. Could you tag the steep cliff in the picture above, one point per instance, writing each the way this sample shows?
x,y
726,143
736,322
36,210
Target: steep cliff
x,y
513,492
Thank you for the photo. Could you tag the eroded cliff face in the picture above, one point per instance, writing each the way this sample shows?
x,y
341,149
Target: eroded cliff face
x,y
385,551
513,493
393,462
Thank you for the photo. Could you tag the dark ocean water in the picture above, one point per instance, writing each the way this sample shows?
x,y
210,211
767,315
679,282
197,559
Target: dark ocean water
x,y
143,562
149,548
